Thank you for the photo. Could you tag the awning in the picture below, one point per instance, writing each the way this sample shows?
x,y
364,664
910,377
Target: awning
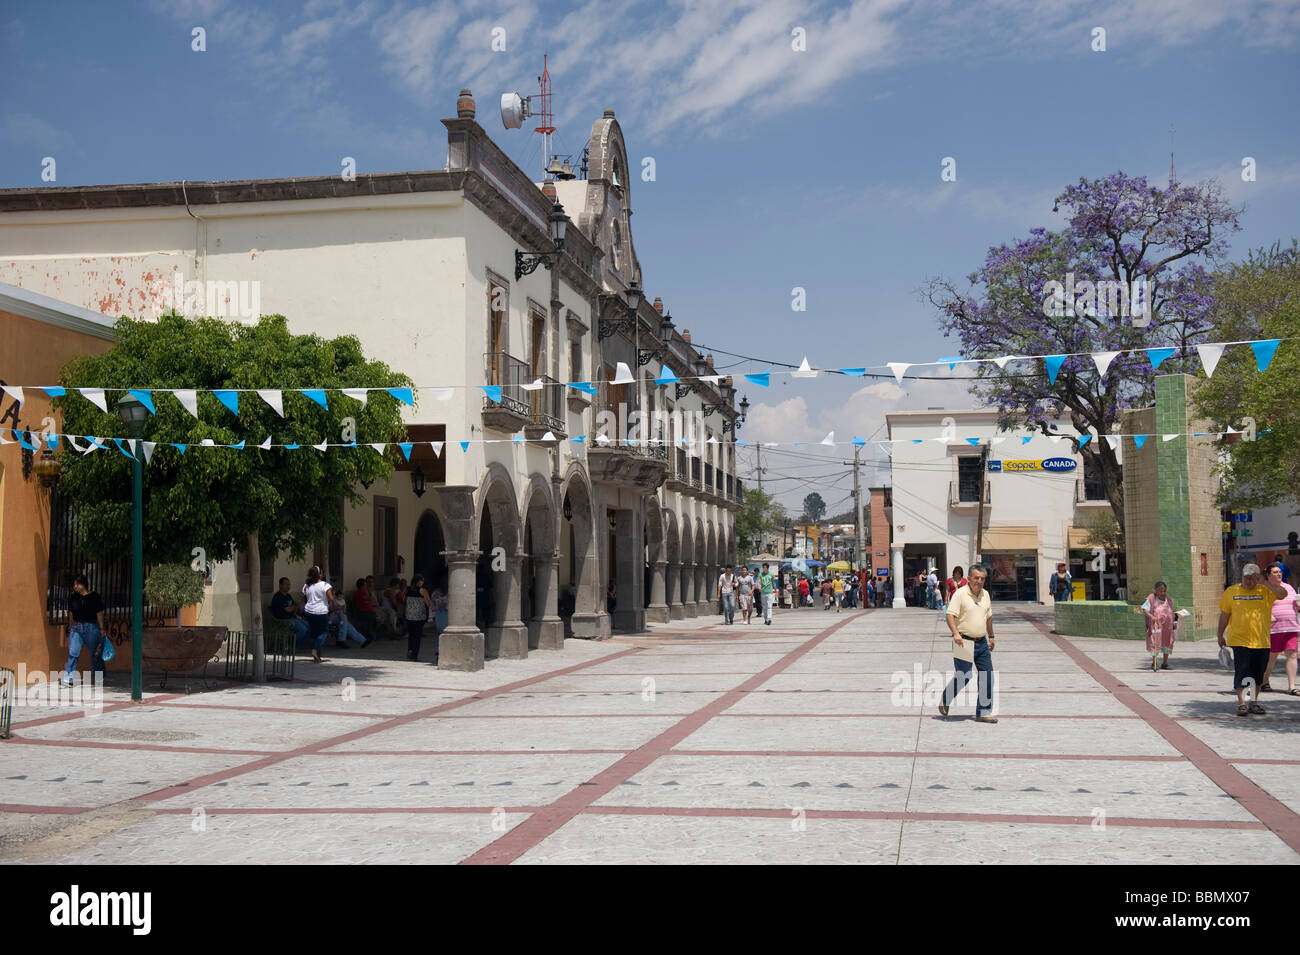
x,y
1010,538
1079,539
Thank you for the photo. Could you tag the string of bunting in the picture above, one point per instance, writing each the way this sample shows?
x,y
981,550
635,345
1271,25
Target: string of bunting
x,y
1209,354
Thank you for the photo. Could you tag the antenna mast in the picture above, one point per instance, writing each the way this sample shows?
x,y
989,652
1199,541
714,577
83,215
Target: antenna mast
x,y
548,118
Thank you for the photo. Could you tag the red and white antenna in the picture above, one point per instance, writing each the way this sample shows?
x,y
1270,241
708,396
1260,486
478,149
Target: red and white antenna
x,y
548,117
515,109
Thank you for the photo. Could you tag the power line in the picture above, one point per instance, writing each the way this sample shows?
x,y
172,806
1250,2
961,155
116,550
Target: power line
x,y
867,374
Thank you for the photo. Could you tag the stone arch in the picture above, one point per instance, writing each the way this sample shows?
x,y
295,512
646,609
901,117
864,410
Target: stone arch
x,y
656,563
701,567
427,553
582,605
538,590
687,575
672,572
497,575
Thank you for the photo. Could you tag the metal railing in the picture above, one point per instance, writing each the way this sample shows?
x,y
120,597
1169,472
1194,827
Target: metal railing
x,y
510,374
8,689
961,494
546,404
681,465
731,486
717,480
695,471
708,476
740,490
280,652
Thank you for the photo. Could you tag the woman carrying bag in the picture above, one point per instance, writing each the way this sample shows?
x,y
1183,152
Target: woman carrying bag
x,y
418,607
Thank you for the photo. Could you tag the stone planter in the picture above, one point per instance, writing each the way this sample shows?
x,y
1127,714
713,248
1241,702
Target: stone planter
x,y
180,649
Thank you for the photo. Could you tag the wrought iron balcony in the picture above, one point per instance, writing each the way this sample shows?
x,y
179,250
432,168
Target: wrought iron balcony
x,y
962,494
546,409
510,375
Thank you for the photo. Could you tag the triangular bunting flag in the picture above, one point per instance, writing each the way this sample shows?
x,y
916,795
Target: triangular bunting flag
x,y
121,446
535,385
763,379
404,395
519,439
4,440
1084,439
1103,360
493,392
899,369
230,399
712,379
182,448
1170,437
357,394
580,439
52,442
951,362
95,396
1112,440
804,370
189,399
443,394
829,439
997,441
406,448
16,391
437,448
379,447
858,442
209,443
1210,355
317,395
1025,440
1053,364
144,396
237,447
1158,355
853,372
54,391
148,447
1264,352
1057,438
1001,361
623,375
464,446
266,443
287,447
585,387
666,377
1140,439
973,442
549,436
274,398
322,446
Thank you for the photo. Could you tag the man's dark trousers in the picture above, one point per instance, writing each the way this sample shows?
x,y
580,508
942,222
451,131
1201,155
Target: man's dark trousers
x,y
984,685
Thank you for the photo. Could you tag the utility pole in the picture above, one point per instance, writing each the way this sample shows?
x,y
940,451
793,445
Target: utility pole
x,y
979,513
758,456
857,508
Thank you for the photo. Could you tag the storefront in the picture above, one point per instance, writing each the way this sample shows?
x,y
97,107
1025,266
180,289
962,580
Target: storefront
x,y
1011,554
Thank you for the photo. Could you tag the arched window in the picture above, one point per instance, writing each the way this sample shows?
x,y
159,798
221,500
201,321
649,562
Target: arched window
x,y
616,243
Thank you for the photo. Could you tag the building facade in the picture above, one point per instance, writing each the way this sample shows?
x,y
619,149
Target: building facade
x,y
533,535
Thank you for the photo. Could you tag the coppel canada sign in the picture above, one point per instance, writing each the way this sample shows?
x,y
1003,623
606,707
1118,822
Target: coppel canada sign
x,y
1056,465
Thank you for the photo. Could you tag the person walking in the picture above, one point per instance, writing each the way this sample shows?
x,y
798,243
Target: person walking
x,y
418,607
1245,621
932,590
827,589
745,591
804,598
318,595
1284,633
727,594
765,586
1159,612
1062,583
970,619
85,630
837,593
952,583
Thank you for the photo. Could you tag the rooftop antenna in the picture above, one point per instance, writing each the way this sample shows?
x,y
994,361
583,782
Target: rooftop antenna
x,y
515,109
1172,179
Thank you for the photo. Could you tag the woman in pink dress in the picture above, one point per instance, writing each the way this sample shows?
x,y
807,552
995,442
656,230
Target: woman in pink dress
x,y
1285,632
1159,611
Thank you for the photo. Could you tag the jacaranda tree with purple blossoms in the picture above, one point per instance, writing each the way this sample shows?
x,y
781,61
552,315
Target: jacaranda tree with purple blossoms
x,y
1119,229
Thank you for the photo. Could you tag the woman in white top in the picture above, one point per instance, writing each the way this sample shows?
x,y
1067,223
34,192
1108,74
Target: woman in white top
x,y
318,597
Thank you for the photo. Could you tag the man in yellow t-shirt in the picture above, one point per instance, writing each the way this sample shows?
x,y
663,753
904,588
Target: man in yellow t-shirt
x,y
1245,618
837,588
970,617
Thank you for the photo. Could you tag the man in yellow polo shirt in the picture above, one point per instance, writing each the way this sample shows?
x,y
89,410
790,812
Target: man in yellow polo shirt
x,y
837,590
1245,618
970,618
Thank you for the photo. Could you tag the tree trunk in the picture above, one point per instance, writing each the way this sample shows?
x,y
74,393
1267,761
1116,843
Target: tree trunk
x,y
255,599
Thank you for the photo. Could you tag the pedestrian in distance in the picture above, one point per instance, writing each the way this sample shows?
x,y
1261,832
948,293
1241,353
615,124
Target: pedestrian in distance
x,y
932,590
1062,583
804,598
85,629
1245,624
1159,612
745,594
1284,632
419,609
837,593
766,583
318,596
970,619
727,594
952,583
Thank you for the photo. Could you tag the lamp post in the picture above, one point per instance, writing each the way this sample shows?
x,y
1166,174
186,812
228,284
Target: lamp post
x,y
133,414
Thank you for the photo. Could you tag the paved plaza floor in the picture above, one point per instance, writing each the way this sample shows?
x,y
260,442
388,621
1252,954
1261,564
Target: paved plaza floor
x,y
815,739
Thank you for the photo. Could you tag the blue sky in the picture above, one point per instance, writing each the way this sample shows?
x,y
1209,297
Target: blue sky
x,y
775,168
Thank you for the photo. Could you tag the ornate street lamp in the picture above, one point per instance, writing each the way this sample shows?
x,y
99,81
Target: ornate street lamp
x,y
526,263
666,331
47,469
133,416
632,297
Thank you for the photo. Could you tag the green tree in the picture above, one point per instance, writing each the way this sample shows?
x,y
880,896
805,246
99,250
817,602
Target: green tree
x,y
221,500
814,507
1257,299
759,515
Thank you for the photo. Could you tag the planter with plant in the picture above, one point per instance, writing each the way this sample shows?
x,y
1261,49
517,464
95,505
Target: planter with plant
x,y
177,649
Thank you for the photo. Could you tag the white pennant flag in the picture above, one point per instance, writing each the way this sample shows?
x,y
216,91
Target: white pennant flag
x,y
443,394
995,441
535,386
274,398
379,447
189,400
899,369
322,446
130,443
437,447
549,436
266,444
829,439
1210,355
623,375
804,370
1103,360
1057,438
148,447
711,379
360,394
95,396
207,443
602,438
4,440
1112,440
712,440
1001,361
16,391
1170,437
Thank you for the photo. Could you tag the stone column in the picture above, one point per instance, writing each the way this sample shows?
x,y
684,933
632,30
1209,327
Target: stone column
x,y
657,612
900,600
703,590
629,572
461,645
673,586
550,628
507,637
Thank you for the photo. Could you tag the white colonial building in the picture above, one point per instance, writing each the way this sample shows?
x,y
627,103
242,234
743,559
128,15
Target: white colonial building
x,y
951,469
422,267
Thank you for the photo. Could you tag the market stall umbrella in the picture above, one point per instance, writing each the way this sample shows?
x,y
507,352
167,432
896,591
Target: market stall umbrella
x,y
840,566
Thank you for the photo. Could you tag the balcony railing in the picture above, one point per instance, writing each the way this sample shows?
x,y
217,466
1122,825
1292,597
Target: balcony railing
x,y
708,476
740,490
511,375
546,405
682,470
731,486
695,471
961,494
717,480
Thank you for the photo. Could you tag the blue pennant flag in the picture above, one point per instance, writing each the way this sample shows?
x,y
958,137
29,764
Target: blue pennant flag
x,y
404,395
742,442
230,399
1084,439
21,436
142,395
464,446
1053,363
1158,355
237,447
973,442
580,439
585,387
493,392
859,442
52,442
952,362
406,448
855,372
1025,440
291,447
55,391
917,440
667,378
1264,352
182,448
762,379
1140,439
519,439
121,446
317,395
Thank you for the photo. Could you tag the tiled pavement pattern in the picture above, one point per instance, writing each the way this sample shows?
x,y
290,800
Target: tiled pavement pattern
x,y
697,743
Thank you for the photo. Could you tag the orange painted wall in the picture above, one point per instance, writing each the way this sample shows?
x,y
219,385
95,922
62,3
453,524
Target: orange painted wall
x,y
31,353
880,538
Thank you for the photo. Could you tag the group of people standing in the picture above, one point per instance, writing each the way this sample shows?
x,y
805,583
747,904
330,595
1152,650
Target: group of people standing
x,y
401,609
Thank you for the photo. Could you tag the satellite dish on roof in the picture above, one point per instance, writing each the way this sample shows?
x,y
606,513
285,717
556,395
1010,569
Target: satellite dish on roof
x,y
514,110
